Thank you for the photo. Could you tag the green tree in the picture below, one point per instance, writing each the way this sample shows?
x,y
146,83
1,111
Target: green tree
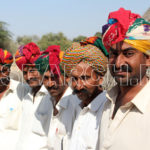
x,y
54,39
98,34
5,36
23,40
79,38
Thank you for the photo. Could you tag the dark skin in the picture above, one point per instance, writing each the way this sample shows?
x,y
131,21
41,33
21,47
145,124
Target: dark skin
x,y
56,86
4,79
86,83
125,66
33,78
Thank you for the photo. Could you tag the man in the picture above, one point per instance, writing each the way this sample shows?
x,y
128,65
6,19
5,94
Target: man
x,y
10,103
25,59
86,63
125,121
61,110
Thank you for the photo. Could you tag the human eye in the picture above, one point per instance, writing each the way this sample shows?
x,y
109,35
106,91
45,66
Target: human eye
x,y
113,53
129,53
46,77
24,72
84,78
74,78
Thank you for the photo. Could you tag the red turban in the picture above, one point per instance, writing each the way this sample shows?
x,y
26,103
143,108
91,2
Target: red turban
x,y
27,54
51,56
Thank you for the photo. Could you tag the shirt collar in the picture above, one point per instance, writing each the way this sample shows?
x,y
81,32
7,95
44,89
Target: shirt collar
x,y
13,85
65,99
42,90
139,101
142,98
97,102
112,94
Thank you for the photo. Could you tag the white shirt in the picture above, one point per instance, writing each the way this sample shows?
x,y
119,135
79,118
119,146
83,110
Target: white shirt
x,y
22,89
10,116
130,128
29,108
85,133
41,123
61,124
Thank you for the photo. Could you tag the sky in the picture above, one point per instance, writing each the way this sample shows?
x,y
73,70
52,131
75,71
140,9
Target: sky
x,y
72,17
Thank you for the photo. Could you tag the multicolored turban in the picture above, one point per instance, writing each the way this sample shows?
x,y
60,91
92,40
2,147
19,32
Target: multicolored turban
x,y
27,54
50,59
90,51
123,25
6,58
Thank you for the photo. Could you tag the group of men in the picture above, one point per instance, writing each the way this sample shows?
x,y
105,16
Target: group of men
x,y
62,104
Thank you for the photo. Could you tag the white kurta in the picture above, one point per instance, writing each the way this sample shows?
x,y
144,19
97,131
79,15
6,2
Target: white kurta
x,y
41,122
29,108
85,133
62,124
130,128
10,115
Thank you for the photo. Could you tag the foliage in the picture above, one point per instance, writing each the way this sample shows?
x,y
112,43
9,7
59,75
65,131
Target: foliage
x,y
5,36
54,39
79,38
98,34
23,40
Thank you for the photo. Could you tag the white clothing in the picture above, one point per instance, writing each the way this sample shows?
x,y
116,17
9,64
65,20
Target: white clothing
x,y
29,108
10,115
85,133
62,124
130,128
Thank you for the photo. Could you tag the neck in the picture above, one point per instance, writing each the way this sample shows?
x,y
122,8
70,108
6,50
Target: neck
x,y
35,90
86,102
57,98
127,93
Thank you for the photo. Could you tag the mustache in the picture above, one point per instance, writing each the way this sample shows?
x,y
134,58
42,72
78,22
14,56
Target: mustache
x,y
75,91
32,79
123,68
52,88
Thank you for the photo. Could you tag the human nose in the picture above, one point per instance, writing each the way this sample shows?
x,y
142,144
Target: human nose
x,y
120,61
79,84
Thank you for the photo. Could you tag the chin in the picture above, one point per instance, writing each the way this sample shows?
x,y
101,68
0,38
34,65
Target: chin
x,y
53,94
123,82
82,97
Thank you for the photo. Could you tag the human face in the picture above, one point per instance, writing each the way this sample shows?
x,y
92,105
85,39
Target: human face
x,y
127,64
54,84
4,75
85,81
32,76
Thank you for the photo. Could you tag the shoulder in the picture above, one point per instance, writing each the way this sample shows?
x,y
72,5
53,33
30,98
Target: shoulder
x,y
45,104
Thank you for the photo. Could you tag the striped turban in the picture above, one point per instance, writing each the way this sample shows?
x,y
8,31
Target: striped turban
x,y
27,54
128,27
50,59
90,51
6,58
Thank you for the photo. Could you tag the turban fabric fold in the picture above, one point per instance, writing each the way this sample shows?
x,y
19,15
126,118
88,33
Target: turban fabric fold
x,y
50,59
27,54
123,25
6,57
90,51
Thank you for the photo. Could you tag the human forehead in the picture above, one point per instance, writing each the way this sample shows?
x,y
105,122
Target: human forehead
x,y
29,67
48,73
82,69
121,46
